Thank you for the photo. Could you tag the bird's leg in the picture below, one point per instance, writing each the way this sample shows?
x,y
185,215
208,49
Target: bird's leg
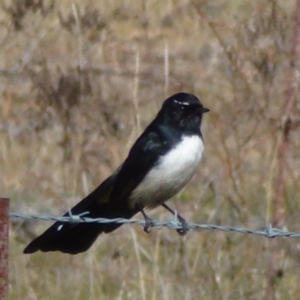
x,y
184,226
149,222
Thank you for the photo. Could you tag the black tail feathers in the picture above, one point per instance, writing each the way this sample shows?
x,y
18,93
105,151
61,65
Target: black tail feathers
x,y
76,238
65,238
68,238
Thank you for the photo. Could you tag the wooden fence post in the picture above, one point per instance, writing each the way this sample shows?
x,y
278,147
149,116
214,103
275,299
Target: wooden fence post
x,y
4,219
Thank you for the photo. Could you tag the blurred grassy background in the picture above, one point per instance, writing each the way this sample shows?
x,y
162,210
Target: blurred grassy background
x,y
79,82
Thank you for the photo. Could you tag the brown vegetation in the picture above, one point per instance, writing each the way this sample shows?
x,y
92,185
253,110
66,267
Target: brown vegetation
x,y
80,81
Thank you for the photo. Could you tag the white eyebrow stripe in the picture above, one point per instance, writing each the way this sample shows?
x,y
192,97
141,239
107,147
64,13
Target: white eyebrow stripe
x,y
182,103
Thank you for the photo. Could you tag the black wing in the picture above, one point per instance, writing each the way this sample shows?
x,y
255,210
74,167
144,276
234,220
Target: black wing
x,y
144,154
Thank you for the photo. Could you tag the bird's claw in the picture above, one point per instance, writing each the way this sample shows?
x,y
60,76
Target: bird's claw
x,y
148,224
184,226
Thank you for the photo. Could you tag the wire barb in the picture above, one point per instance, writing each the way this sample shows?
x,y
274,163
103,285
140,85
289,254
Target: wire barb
x,y
74,219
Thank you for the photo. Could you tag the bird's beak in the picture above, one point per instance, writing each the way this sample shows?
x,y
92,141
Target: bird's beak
x,y
205,110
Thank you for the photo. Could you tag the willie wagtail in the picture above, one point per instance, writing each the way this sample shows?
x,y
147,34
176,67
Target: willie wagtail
x,y
160,163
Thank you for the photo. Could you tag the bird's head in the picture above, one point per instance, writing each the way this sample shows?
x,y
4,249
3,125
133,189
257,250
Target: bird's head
x,y
183,110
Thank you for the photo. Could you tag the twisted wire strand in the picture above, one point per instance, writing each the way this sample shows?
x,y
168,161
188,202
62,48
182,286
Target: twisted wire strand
x,y
174,224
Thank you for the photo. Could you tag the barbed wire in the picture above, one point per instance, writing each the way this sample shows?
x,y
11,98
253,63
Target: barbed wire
x,y
174,224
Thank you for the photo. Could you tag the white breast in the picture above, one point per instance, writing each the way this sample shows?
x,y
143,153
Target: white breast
x,y
172,172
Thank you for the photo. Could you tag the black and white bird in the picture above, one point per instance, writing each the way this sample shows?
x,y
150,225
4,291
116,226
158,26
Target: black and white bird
x,y
160,163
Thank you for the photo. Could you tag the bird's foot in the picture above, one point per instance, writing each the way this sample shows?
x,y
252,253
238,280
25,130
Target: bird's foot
x,y
184,226
149,222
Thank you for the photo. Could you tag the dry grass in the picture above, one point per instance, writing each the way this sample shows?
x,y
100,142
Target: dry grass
x,y
79,82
